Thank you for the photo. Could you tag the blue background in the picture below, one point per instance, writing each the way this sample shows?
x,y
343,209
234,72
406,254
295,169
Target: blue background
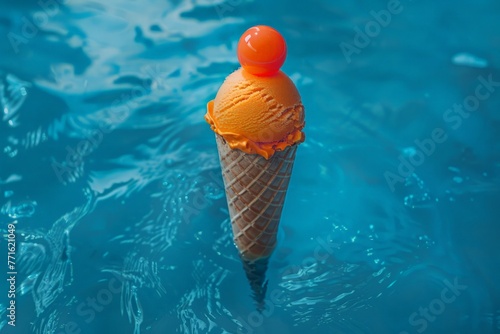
x,y
112,178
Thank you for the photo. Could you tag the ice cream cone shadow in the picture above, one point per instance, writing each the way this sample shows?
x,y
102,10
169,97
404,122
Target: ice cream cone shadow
x,y
256,275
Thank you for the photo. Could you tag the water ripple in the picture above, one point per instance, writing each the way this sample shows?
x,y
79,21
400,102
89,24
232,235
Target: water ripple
x,y
205,294
13,93
24,209
46,262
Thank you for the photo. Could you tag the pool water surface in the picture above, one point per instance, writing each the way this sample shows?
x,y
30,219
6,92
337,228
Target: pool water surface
x,y
111,184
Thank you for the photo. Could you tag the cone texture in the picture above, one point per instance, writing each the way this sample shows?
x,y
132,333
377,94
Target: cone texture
x,y
255,191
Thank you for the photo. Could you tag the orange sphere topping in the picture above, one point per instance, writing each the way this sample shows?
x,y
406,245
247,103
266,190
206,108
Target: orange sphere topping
x,y
261,50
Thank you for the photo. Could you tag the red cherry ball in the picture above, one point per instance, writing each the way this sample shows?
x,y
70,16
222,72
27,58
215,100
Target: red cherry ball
x,y
261,50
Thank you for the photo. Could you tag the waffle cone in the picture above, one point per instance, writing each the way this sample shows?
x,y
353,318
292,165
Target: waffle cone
x,y
255,191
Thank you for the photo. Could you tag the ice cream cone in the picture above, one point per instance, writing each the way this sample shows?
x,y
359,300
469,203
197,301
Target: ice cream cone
x,y
255,191
258,118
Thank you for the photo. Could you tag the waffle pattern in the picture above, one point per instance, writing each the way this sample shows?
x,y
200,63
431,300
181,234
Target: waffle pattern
x,y
255,191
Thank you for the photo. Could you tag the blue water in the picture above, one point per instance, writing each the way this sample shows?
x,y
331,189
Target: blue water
x,y
110,175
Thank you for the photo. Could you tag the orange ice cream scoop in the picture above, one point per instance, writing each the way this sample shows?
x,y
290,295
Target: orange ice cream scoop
x,y
258,108
257,114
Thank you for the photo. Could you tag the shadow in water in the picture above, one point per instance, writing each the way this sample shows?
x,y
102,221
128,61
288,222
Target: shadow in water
x,y
256,274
